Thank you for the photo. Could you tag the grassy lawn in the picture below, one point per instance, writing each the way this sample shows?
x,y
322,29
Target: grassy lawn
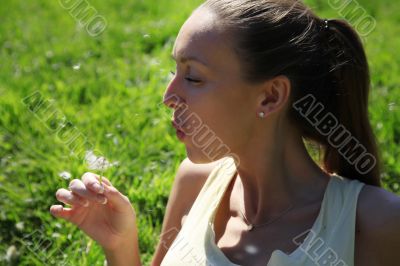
x,y
109,89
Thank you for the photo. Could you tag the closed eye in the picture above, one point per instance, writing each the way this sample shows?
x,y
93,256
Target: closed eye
x,y
193,80
187,78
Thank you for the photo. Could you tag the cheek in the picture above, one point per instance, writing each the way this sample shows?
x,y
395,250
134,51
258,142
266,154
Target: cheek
x,y
220,116
221,107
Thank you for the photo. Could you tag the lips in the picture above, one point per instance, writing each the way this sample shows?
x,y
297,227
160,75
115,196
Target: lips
x,y
176,125
179,132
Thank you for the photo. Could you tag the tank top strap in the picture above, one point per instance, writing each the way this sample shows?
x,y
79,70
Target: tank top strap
x,y
340,217
331,239
189,248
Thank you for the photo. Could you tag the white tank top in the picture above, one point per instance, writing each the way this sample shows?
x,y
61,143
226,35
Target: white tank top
x,y
330,241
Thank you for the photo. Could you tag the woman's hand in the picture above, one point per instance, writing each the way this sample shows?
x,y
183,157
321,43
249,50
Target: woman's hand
x,y
100,211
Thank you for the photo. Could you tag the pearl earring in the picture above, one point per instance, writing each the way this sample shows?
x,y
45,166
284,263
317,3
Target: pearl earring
x,y
261,114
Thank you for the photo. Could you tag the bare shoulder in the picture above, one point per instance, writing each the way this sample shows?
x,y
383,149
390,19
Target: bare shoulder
x,y
378,224
189,180
378,208
191,177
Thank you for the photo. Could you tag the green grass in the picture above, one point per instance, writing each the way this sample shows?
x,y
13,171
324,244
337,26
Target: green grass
x,y
114,101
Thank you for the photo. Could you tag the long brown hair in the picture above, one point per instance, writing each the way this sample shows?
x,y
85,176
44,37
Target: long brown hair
x,y
325,59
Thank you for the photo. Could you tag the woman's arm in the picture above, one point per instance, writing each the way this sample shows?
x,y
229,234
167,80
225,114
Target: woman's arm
x,y
126,255
378,220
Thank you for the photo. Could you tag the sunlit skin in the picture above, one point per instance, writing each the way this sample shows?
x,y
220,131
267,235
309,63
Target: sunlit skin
x,y
275,169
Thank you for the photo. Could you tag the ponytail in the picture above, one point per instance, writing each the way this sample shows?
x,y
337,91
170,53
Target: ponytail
x,y
356,156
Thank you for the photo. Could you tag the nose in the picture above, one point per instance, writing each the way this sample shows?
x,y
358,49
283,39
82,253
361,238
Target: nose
x,y
171,98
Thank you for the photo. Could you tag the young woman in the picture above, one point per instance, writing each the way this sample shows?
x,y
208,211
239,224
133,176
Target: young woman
x,y
257,77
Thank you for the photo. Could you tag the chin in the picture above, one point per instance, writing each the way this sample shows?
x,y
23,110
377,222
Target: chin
x,y
196,156
197,159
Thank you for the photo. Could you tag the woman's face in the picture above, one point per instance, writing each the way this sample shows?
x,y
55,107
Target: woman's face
x,y
207,93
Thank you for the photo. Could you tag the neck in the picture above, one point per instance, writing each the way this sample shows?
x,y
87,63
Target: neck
x,y
275,175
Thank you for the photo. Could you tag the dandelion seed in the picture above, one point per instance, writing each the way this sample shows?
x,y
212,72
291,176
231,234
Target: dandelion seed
x,y
28,200
146,36
392,106
11,254
66,175
97,163
154,62
88,247
155,121
49,54
20,226
76,67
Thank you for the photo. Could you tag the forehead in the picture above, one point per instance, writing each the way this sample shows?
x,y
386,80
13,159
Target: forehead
x,y
202,37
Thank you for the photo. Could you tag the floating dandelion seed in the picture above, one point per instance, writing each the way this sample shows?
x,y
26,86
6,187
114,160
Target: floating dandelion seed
x,y
20,226
49,54
66,175
76,67
97,163
11,254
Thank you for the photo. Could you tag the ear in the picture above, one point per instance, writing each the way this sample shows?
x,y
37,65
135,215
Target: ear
x,y
274,94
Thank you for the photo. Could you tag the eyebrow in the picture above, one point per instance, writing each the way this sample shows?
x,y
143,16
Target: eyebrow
x,y
189,58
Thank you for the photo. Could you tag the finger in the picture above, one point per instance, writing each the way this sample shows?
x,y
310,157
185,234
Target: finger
x,y
119,201
79,188
103,179
92,181
60,212
70,198
73,215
